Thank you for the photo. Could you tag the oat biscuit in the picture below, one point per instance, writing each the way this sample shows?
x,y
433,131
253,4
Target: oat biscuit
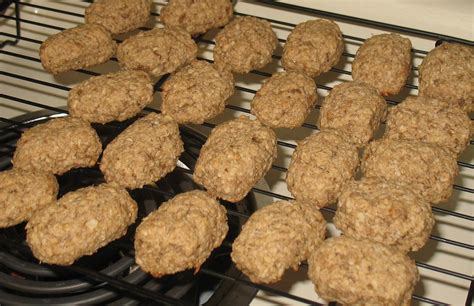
x,y
80,47
355,109
119,16
196,92
355,272
384,62
277,237
22,193
158,51
388,212
57,146
181,234
196,16
429,169
245,44
320,167
447,73
142,154
235,157
430,120
313,47
114,96
80,223
285,100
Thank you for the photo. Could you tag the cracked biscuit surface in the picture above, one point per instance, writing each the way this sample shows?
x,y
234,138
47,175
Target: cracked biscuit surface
x,y
429,169
158,51
354,272
356,109
197,92
58,146
320,167
196,16
388,212
80,47
245,44
180,234
143,153
447,73
22,193
277,237
236,155
80,223
119,16
384,62
313,47
429,120
285,100
114,96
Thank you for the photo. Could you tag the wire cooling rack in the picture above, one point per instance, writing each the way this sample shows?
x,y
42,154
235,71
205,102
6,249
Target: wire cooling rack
x,y
446,262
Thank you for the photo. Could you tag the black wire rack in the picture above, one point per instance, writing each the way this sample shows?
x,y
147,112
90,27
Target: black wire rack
x,y
14,37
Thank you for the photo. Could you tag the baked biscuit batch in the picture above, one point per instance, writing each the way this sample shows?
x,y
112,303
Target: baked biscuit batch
x,y
382,216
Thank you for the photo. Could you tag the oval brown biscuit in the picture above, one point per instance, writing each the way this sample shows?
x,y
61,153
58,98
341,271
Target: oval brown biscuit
x,y
313,47
430,120
22,193
80,223
354,272
181,234
58,146
384,62
114,96
429,169
320,167
119,16
355,109
235,157
80,47
285,100
158,51
196,16
196,92
245,44
142,154
447,73
388,212
277,237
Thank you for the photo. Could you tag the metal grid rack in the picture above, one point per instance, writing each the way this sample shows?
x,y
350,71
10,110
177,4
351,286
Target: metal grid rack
x,y
14,37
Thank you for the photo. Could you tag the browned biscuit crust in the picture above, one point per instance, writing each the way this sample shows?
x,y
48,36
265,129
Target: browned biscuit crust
x,y
285,100
196,16
447,73
235,157
384,62
57,146
119,16
388,212
22,193
197,92
80,223
313,47
181,234
158,51
427,168
355,272
355,109
114,96
80,47
277,237
142,154
245,44
430,120
320,167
